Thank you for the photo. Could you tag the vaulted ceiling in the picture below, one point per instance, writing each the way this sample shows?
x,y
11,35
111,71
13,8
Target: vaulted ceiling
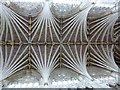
x,y
49,35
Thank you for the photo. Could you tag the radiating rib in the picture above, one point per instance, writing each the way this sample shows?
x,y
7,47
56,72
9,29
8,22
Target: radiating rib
x,y
117,53
75,61
11,65
47,62
9,17
103,29
103,55
46,21
76,23
117,29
